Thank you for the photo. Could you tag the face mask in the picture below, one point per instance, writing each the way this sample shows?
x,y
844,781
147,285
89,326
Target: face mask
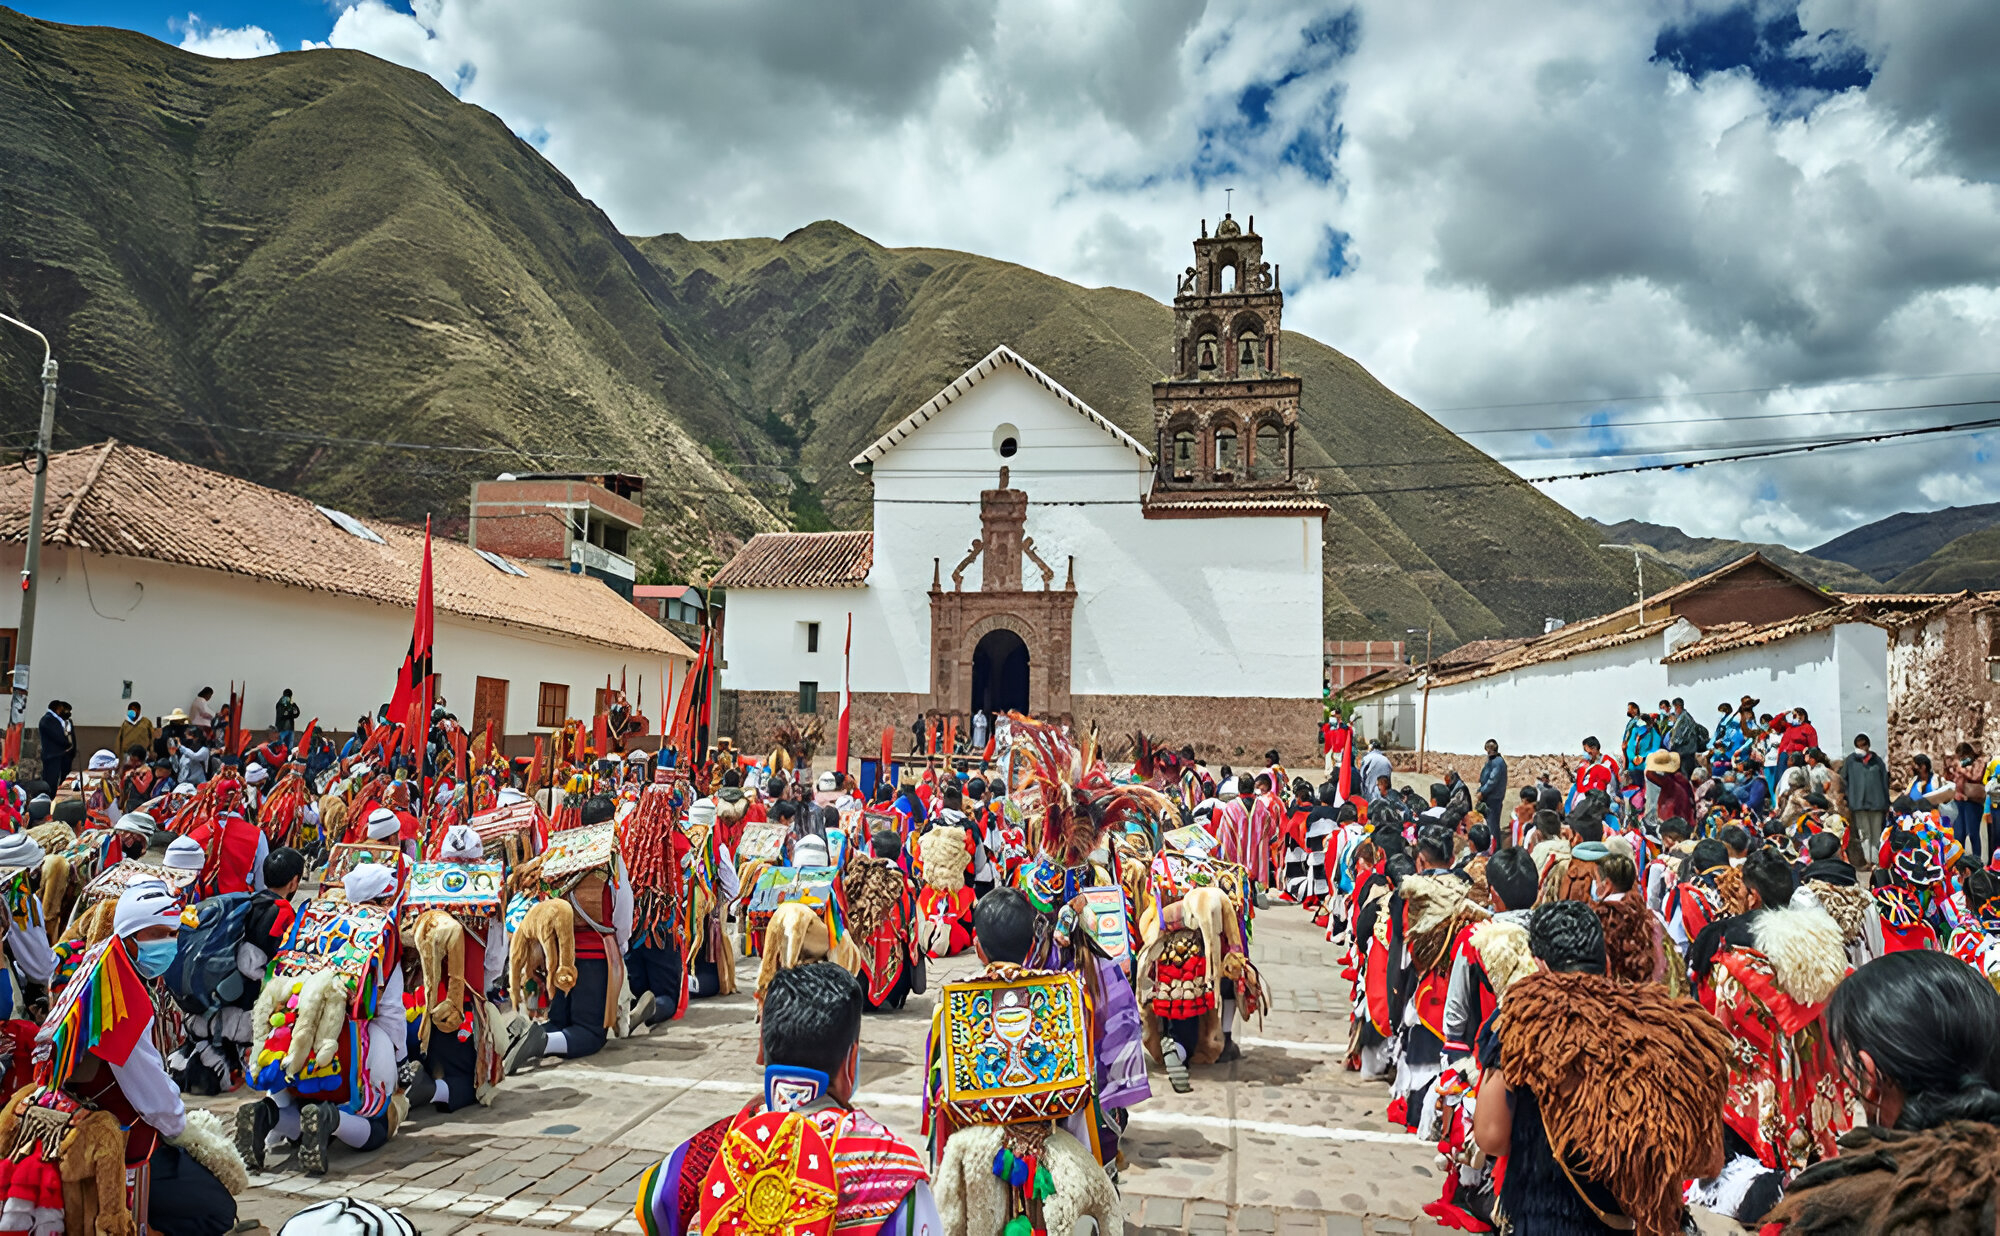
x,y
155,956
133,713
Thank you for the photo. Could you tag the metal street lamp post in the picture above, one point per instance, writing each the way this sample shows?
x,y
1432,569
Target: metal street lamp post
x,y
17,713
1424,723
1639,565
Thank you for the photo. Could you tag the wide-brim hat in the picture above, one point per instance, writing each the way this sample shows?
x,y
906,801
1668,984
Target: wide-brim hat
x,y
175,715
1663,762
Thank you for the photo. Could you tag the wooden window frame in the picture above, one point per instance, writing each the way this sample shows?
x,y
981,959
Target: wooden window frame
x,y
551,701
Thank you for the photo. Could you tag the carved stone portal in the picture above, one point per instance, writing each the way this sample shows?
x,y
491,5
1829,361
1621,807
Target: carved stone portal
x,y
1024,626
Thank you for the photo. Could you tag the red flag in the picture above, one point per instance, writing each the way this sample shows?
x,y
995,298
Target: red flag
x,y
415,681
846,699
888,749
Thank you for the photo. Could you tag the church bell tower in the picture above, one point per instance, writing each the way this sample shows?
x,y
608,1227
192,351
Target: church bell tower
x,y
1226,418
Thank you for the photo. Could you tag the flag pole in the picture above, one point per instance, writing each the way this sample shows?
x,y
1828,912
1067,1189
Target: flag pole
x,y
846,699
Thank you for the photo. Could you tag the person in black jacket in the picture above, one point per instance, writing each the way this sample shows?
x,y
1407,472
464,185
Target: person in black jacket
x,y
1865,778
58,743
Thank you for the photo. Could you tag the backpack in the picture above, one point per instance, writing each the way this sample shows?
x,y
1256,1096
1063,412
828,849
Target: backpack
x,y
203,975
1701,737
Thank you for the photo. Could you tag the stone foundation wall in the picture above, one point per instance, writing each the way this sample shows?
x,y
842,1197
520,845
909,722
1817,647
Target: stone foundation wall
x,y
760,713
1220,728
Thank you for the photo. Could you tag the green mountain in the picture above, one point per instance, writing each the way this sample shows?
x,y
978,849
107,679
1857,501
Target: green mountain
x,y
1972,561
271,266
1895,545
1698,555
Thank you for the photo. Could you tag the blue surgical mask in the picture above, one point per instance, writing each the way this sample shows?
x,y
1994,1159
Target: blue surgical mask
x,y
154,956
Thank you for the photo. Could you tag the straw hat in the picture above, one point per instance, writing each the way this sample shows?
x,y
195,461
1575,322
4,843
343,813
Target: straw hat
x,y
1663,762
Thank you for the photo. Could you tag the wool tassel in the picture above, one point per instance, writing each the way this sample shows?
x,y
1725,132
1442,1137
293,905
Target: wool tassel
x,y
1017,1226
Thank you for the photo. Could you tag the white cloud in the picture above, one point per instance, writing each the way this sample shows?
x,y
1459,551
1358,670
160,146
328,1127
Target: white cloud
x,y
226,42
1528,202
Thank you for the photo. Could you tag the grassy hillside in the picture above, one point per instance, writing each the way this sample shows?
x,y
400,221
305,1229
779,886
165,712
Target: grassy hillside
x,y
271,266
1972,561
1889,547
238,258
1698,555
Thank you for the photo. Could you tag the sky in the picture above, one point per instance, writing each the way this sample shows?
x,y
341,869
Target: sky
x,y
1587,234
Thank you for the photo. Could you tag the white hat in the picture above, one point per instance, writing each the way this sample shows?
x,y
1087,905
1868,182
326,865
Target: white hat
x,y
149,903
185,854
348,1216
367,882
257,774
462,843
184,789
637,757
810,851
20,850
1227,789
136,822
103,761
383,824
829,781
701,812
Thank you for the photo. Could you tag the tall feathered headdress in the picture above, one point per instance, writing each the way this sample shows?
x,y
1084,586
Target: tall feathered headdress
x,y
1057,786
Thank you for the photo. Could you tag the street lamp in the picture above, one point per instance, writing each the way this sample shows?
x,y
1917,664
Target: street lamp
x,y
1639,565
17,713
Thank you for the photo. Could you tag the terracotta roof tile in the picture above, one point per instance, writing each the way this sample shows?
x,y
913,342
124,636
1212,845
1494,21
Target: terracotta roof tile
x,y
118,499
1729,636
1473,652
800,560
1550,648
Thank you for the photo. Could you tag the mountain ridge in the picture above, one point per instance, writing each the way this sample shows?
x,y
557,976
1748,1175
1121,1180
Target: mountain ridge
x,y
1899,543
272,266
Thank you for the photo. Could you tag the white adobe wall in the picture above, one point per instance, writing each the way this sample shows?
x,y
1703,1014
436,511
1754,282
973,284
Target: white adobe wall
x,y
764,639
172,630
1549,707
1840,676
1199,607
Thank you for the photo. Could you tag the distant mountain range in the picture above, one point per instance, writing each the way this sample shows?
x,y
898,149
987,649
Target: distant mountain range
x,y
1698,555
1906,544
1914,551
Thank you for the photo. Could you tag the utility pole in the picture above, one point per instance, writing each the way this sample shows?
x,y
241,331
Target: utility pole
x,y
17,713
1424,725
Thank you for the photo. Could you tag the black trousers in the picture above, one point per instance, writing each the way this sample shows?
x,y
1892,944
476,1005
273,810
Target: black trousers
x,y
185,1198
656,968
455,1063
579,1012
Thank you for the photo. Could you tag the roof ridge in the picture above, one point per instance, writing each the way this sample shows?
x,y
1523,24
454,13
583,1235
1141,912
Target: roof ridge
x,y
61,531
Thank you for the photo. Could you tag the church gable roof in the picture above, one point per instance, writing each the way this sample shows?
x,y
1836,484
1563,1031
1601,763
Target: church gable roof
x,y
962,386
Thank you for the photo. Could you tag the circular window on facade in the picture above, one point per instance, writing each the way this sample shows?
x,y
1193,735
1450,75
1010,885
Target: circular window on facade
x,y
1006,441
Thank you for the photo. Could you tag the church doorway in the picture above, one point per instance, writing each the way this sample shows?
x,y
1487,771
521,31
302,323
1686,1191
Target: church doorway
x,y
1000,673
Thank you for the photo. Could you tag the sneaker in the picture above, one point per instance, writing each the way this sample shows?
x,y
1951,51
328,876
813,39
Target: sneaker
x,y
316,1124
642,1009
1230,1051
1177,1069
420,1089
526,1049
254,1121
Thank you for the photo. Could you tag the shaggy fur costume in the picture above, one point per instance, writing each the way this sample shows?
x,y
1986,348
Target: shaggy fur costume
x,y
1503,953
1631,950
798,934
972,1202
1630,1082
1847,905
332,817
55,892
1807,954
944,855
872,886
90,927
214,1147
440,942
1209,913
1729,884
544,945
1435,910
93,1169
322,1018
1940,1182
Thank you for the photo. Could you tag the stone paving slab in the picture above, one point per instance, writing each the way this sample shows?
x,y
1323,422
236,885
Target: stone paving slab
x,y
1283,1142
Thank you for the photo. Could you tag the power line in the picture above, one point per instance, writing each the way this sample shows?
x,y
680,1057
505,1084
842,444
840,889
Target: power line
x,y
1715,420
1743,390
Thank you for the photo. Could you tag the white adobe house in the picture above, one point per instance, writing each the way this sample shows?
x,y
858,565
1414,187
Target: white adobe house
x,y
1029,554
159,578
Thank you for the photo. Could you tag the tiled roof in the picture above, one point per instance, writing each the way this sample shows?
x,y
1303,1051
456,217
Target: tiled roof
x,y
117,499
1474,652
1729,636
963,384
1171,505
1550,648
800,560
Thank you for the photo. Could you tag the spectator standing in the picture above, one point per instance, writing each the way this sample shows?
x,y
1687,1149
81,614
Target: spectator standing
x,y
288,717
1683,734
1968,800
190,755
1641,738
1374,767
201,713
136,730
58,743
1865,777
1493,786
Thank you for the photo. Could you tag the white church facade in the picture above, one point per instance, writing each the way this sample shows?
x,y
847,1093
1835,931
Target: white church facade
x,y
1029,554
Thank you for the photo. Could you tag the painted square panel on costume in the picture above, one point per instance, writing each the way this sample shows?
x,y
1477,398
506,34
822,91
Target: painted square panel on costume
x,y
1193,839
762,843
334,935
115,879
1107,903
345,857
576,852
463,888
1015,1049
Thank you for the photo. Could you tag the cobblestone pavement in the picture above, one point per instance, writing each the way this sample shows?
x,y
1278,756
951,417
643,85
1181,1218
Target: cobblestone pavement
x,y
1283,1142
